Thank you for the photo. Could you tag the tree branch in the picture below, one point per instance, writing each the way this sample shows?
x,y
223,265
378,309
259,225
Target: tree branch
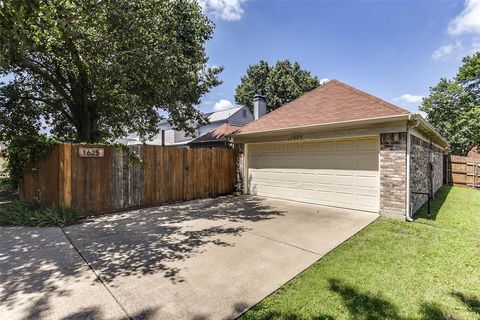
x,y
35,68
46,101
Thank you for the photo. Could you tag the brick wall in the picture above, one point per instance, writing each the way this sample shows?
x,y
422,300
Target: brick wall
x,y
420,171
393,148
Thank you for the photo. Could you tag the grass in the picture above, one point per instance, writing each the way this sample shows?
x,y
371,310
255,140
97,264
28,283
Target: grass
x,y
429,269
32,214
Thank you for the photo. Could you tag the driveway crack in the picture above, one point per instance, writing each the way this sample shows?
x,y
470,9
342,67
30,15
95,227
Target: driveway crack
x,y
96,275
285,243
273,239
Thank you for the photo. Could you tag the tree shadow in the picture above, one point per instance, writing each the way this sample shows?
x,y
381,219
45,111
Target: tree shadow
x,y
363,305
472,302
96,313
36,262
435,205
433,311
367,306
152,240
290,315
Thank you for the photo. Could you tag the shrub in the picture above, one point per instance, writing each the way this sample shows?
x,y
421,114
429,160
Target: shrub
x,y
32,214
22,154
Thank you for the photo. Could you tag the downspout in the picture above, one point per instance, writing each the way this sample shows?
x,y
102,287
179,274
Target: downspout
x,y
408,213
430,168
245,169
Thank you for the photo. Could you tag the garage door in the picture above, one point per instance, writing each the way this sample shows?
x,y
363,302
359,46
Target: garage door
x,y
340,173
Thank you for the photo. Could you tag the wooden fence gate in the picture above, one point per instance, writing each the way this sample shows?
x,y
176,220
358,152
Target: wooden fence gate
x,y
101,179
462,171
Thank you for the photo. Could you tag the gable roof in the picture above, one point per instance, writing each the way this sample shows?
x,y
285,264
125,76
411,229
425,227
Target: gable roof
x,y
214,116
222,114
332,102
218,134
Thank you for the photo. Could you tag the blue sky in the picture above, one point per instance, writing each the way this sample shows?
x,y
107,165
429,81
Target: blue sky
x,y
395,50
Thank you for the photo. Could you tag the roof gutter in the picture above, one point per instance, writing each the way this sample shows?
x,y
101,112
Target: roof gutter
x,y
424,123
329,125
333,125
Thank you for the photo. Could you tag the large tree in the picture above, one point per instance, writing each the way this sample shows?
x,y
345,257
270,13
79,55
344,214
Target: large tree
x,y
280,84
96,70
453,106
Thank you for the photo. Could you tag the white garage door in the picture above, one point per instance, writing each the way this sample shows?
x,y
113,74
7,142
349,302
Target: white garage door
x,y
341,173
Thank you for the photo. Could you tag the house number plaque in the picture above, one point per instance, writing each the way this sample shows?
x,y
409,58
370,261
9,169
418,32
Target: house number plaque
x,y
295,137
91,152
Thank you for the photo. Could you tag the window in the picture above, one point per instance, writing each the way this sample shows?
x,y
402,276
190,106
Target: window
x,y
244,113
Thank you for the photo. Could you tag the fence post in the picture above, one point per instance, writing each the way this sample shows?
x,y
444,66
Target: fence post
x,y
65,174
474,174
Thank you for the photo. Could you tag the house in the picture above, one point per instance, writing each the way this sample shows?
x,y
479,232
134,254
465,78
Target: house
x,y
130,140
338,146
228,120
474,153
218,137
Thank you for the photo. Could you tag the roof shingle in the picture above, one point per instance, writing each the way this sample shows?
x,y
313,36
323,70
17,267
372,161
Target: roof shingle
x,y
218,134
329,103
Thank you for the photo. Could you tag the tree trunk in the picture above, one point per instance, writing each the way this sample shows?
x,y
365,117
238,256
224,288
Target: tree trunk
x,y
87,129
85,115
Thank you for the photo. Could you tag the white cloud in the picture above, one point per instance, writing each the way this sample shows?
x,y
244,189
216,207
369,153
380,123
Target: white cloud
x,y
409,98
222,105
324,80
468,20
228,10
446,50
475,46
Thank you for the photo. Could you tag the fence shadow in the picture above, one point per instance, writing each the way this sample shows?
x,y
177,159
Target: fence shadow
x,y
435,205
153,240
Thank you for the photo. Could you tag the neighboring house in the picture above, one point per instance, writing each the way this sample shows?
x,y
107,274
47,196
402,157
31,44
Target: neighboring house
x,y
338,146
218,137
130,140
474,153
168,136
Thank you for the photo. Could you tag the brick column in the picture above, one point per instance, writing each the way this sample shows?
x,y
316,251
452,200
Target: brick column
x,y
393,147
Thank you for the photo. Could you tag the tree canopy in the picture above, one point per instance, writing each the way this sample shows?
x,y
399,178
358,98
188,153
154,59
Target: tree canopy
x,y
97,70
453,106
280,84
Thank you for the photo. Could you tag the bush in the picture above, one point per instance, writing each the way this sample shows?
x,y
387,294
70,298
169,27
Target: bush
x,y
4,183
32,214
22,154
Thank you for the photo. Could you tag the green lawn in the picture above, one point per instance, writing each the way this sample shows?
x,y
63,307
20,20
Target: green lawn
x,y
429,269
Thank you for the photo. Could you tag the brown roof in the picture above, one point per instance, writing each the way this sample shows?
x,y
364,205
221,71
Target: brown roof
x,y
218,134
332,102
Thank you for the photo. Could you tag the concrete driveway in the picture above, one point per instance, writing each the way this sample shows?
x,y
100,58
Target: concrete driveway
x,y
203,259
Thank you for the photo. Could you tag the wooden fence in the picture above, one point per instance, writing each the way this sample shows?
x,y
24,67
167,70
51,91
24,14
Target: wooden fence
x,y
111,180
462,171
